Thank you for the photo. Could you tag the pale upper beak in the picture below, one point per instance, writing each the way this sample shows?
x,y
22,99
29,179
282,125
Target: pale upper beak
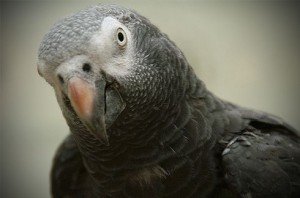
x,y
88,101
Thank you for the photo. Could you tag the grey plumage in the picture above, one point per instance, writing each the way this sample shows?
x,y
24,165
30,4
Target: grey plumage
x,y
147,126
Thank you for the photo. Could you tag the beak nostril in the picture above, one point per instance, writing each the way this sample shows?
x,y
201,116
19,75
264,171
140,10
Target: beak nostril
x,y
86,67
61,79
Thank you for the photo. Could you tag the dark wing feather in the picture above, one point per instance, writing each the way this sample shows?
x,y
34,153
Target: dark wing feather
x,y
68,175
266,120
264,159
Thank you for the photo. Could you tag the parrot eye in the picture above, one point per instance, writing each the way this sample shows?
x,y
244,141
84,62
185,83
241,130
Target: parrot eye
x,y
121,37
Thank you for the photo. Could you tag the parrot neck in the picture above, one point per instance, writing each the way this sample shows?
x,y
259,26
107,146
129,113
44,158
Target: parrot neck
x,y
153,152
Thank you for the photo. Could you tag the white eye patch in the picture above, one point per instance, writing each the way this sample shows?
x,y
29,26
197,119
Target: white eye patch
x,y
106,50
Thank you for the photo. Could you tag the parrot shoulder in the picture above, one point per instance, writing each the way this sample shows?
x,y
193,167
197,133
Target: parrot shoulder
x,y
263,159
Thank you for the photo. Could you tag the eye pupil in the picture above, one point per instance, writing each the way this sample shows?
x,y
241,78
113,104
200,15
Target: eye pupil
x,y
86,67
121,36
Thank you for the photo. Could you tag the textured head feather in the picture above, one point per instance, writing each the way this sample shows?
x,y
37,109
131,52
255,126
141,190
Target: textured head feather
x,y
70,35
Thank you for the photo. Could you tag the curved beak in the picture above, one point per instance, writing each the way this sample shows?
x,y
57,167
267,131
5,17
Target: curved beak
x,y
88,101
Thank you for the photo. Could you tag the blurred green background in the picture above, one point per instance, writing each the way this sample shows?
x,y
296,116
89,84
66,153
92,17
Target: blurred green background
x,y
246,52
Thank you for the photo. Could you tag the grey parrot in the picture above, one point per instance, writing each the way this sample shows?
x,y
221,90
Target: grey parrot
x,y
142,124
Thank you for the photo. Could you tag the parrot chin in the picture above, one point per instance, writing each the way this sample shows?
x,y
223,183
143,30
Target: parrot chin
x,y
97,105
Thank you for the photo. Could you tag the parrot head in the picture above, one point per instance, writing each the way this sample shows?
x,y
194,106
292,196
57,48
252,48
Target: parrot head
x,y
112,71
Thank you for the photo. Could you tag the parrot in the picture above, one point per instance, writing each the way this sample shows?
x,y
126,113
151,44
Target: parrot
x,y
142,124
